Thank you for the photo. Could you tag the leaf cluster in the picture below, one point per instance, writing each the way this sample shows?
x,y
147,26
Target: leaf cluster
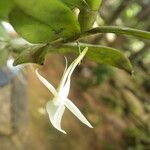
x,y
54,26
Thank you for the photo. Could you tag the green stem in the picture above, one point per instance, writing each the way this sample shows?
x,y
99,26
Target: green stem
x,y
118,30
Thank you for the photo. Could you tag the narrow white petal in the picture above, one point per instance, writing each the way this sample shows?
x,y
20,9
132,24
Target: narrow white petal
x,y
66,88
63,78
46,83
77,61
66,62
69,104
65,81
55,113
58,117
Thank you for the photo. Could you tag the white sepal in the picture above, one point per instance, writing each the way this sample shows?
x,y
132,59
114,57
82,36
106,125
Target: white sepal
x,y
74,109
46,83
55,113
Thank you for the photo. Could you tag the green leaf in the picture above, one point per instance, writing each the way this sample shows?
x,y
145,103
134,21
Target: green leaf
x,y
5,8
3,33
94,4
75,3
100,54
87,16
31,29
86,19
53,13
3,51
119,30
35,54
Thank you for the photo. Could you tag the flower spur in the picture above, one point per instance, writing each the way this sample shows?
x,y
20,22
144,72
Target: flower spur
x,y
56,107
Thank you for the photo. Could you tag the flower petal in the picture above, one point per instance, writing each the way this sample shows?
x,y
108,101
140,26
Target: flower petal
x,y
65,81
46,83
69,104
63,78
55,113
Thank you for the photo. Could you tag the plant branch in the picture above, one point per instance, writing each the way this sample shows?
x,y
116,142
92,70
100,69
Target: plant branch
x,y
118,30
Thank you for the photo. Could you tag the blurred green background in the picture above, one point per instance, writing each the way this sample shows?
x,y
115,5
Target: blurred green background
x,y
116,104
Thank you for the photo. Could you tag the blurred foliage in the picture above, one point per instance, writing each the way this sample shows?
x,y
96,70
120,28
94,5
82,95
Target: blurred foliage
x,y
134,139
4,52
133,107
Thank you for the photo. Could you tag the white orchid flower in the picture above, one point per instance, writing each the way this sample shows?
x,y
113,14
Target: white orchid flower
x,y
56,107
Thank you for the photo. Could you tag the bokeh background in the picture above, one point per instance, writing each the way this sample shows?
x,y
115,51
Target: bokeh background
x,y
116,103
